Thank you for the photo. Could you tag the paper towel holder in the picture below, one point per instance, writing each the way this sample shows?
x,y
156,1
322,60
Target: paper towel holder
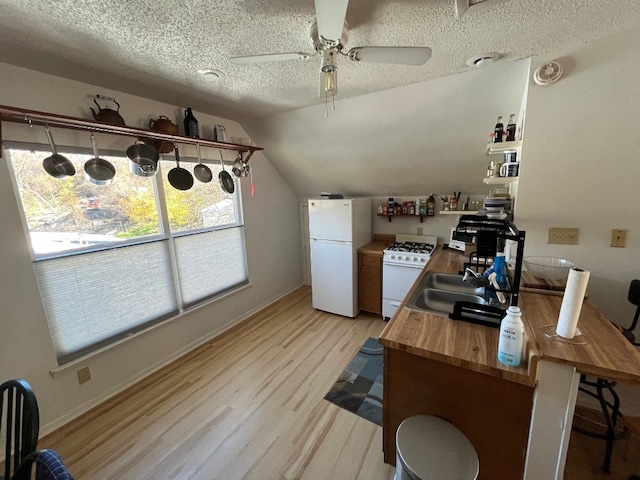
x,y
550,332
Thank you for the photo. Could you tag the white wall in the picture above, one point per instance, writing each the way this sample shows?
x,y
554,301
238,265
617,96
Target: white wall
x,y
407,141
581,169
272,241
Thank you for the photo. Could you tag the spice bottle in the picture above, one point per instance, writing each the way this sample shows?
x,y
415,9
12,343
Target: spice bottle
x,y
511,340
191,128
431,206
498,130
511,128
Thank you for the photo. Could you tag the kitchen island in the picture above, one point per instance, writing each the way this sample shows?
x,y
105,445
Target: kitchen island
x,y
518,419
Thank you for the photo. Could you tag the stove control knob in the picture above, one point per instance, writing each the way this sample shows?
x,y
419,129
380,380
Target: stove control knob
x,y
415,259
423,259
406,258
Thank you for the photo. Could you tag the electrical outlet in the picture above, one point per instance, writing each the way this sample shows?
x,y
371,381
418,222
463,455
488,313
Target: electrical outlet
x,y
563,235
420,231
618,238
84,375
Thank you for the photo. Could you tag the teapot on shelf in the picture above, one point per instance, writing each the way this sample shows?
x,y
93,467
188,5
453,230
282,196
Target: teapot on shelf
x,y
107,115
164,125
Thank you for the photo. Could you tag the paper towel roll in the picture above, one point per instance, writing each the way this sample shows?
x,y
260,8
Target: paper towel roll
x,y
572,302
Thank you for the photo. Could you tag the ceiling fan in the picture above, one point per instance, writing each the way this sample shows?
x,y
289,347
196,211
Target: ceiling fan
x,y
328,36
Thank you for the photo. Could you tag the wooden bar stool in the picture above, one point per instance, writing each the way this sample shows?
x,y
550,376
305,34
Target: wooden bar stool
x,y
430,448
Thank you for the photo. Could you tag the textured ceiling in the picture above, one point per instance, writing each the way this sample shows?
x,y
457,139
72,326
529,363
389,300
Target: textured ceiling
x,y
155,48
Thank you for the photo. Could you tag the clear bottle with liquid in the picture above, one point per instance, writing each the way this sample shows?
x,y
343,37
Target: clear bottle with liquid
x,y
498,130
511,128
511,340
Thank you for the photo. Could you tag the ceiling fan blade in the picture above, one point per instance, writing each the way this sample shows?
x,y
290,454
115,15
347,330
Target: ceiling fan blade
x,y
330,15
271,57
397,55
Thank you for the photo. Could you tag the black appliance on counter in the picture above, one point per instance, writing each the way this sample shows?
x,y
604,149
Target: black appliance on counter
x,y
490,236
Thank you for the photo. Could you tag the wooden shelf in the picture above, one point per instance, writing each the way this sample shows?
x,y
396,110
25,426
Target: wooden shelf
x,y
421,217
32,117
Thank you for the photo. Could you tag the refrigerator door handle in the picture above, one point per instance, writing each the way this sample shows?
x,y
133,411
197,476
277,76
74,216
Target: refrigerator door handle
x,y
334,242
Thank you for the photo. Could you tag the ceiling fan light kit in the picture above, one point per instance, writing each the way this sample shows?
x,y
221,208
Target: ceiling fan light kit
x,y
328,35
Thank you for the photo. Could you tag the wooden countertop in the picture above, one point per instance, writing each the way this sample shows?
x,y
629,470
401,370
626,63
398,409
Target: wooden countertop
x,y
373,248
607,353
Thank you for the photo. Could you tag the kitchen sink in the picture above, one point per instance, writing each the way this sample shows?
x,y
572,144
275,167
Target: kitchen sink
x,y
440,302
450,283
437,293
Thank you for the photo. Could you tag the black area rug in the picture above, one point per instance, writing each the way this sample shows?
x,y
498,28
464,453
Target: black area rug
x,y
359,387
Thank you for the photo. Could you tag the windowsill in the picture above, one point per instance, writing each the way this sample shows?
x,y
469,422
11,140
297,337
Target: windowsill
x,y
61,369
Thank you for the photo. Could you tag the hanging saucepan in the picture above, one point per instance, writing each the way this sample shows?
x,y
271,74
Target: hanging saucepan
x,y
238,166
55,164
201,171
98,170
179,177
226,182
143,159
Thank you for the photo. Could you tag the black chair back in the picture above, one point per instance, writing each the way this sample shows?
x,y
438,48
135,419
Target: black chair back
x,y
20,422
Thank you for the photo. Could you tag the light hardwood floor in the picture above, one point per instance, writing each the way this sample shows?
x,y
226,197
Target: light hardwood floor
x,y
249,405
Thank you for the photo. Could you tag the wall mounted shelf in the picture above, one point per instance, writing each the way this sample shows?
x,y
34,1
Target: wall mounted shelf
x,y
32,117
405,215
503,147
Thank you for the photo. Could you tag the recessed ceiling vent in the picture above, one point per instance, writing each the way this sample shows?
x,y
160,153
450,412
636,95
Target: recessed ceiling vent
x,y
547,73
483,59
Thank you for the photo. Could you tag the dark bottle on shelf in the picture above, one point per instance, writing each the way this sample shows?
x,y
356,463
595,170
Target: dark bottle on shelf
x,y
431,206
511,128
191,128
498,130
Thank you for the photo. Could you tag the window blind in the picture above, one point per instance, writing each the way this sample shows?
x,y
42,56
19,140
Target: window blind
x,y
94,298
210,263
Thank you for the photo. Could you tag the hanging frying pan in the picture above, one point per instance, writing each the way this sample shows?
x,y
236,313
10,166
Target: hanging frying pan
x,y
98,170
55,164
226,182
201,171
179,177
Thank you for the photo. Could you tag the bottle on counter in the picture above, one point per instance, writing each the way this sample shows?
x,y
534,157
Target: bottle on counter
x,y
511,128
431,206
498,130
511,340
191,127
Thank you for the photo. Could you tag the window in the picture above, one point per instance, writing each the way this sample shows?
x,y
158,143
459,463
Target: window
x,y
111,260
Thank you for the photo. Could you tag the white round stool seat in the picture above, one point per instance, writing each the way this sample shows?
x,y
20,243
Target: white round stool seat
x,y
430,448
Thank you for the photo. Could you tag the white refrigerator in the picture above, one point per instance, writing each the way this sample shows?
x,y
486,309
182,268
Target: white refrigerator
x,y
337,228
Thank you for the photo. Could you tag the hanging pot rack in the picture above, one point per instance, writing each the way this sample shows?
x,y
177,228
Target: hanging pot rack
x,y
33,117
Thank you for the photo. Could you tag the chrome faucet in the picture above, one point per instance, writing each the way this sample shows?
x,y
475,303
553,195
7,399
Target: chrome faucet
x,y
477,279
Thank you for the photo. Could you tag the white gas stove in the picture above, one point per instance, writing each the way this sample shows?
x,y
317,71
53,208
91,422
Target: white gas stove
x,y
402,263
410,250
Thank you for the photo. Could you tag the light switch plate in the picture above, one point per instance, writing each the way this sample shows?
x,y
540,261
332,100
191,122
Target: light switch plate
x,y
563,235
618,238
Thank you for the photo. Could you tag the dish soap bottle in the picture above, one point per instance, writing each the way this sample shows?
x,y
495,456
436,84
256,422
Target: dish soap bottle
x,y
191,128
511,339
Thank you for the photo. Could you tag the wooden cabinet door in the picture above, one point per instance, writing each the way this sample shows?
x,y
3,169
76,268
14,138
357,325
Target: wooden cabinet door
x,y
370,283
